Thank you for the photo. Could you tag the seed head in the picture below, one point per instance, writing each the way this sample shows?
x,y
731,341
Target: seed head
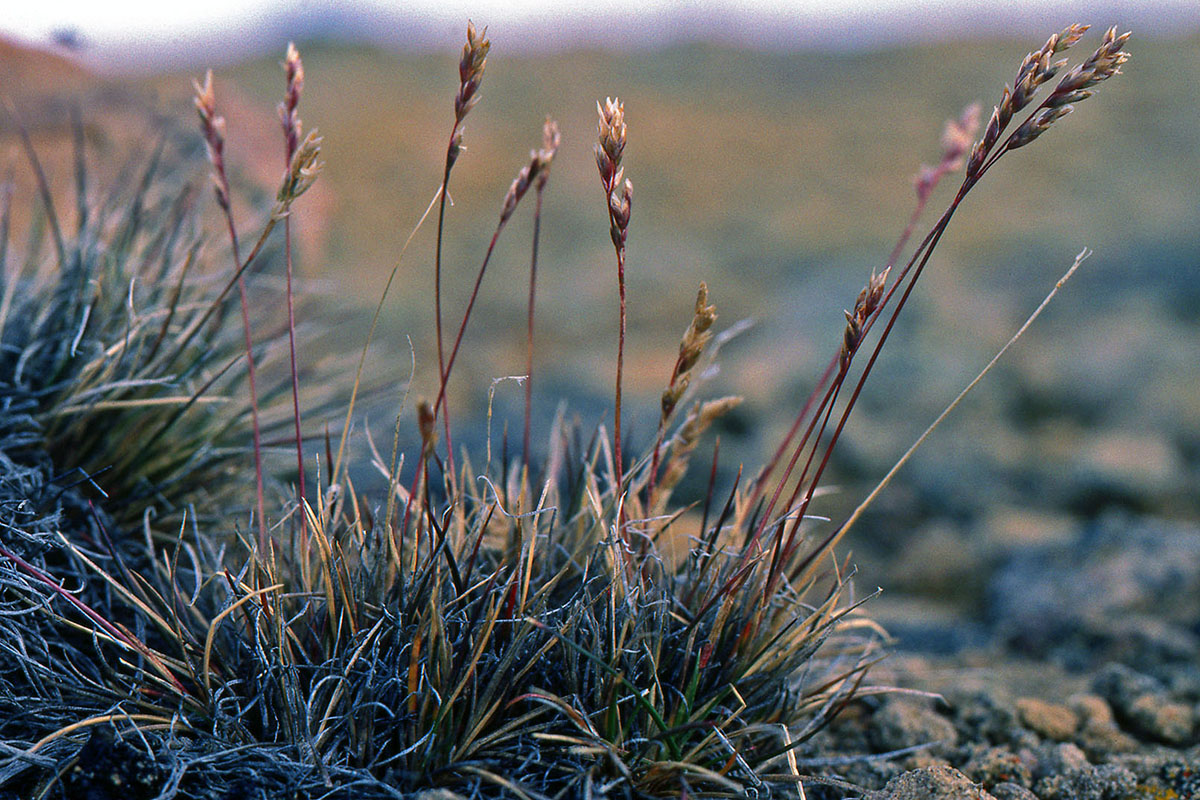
x,y
611,144
620,204
956,140
1037,69
293,69
470,70
213,128
301,175
551,138
537,170
864,307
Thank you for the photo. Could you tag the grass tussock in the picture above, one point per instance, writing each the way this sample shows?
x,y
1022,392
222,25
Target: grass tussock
x,y
487,626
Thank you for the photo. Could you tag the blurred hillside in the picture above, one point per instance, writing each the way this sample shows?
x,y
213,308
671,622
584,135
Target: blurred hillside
x,y
781,179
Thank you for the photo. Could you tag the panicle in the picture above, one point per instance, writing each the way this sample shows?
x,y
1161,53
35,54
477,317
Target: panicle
x,y
470,71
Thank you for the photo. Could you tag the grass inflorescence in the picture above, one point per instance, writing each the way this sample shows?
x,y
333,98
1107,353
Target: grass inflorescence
x,y
487,626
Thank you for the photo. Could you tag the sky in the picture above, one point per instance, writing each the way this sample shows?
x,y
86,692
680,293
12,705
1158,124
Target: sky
x,y
116,30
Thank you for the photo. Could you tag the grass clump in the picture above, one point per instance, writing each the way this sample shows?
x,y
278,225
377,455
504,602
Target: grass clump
x,y
486,628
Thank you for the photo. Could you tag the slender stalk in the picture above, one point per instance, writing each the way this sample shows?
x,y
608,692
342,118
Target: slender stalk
x,y
924,254
956,139
618,460
537,225
214,133
470,75
618,198
335,473
462,327
43,184
251,377
294,69
451,154
536,171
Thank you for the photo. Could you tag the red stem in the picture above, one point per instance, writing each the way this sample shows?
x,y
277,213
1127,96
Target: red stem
x,y
618,468
924,252
287,246
905,236
437,301
251,372
537,224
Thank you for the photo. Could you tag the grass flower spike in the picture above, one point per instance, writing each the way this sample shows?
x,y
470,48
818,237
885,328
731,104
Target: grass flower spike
x,y
213,128
470,71
619,197
470,76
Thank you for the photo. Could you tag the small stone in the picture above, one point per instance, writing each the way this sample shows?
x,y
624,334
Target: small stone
x,y
1069,758
932,783
1012,791
1059,759
1105,782
1050,720
1144,707
903,723
1092,708
1162,719
998,765
1100,740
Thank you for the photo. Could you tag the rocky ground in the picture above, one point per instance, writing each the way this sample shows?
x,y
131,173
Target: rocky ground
x,y
1080,680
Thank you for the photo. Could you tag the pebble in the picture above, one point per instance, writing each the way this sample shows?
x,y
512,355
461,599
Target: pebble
x,y
1051,720
903,722
1012,791
932,783
1144,707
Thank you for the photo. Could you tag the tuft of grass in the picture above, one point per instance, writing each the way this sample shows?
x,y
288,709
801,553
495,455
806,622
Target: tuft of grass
x,y
116,365
486,629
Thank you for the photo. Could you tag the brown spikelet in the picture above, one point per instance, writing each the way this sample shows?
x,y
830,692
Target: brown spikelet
x,y
609,148
289,117
427,425
551,138
213,128
301,175
1035,70
691,347
856,320
537,170
611,142
1074,87
618,195
470,71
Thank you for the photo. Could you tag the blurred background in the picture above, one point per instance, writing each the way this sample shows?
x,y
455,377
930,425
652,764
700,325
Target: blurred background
x,y
774,148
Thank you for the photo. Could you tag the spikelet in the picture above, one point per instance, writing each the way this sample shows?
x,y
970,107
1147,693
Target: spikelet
x,y
551,139
856,320
691,347
1074,87
1035,70
470,71
609,148
427,425
289,117
537,170
956,141
213,127
301,175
